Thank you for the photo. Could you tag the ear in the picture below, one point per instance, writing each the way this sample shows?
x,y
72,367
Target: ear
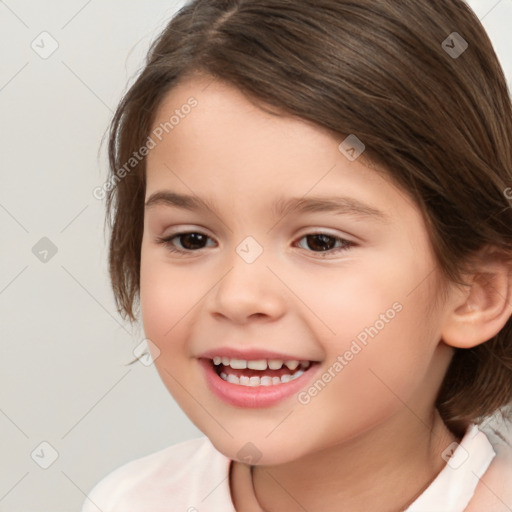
x,y
479,311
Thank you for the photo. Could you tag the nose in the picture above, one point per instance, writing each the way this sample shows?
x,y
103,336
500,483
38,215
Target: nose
x,y
247,292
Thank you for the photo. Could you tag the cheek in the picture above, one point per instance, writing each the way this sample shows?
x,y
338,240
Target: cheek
x,y
156,299
378,325
166,296
384,365
346,300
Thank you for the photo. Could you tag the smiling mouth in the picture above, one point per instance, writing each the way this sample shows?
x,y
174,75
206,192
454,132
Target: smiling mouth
x,y
260,372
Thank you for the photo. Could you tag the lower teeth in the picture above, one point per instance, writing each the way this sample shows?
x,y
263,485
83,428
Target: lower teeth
x,y
266,380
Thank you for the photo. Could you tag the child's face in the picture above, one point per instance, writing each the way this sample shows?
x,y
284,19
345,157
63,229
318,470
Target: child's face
x,y
293,300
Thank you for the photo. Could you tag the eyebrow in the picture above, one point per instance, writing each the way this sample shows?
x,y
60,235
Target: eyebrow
x,y
282,207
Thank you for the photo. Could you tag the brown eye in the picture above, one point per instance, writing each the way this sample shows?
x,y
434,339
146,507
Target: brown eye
x,y
185,242
322,242
192,241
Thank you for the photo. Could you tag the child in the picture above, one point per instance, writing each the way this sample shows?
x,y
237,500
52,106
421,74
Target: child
x,y
311,200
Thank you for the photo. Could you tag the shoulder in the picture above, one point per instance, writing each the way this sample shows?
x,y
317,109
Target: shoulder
x,y
181,475
494,490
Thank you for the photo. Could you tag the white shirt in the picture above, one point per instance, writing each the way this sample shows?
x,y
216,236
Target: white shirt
x,y
194,477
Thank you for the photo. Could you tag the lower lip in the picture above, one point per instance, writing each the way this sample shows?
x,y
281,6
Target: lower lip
x,y
253,397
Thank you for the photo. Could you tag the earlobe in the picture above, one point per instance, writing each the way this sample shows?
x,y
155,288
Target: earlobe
x,y
481,310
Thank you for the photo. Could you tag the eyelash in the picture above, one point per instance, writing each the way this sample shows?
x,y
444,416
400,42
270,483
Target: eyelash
x,y
167,242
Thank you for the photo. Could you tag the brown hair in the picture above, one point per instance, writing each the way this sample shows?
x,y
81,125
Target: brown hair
x,y
439,123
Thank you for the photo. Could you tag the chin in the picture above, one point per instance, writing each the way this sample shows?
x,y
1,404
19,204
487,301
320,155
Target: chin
x,y
256,453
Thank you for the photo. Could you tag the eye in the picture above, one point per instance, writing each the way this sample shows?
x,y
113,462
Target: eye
x,y
324,243
192,241
189,241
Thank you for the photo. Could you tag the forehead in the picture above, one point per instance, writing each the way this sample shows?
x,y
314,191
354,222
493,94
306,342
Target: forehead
x,y
224,115
226,143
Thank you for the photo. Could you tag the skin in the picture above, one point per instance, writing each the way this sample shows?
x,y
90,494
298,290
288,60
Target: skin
x,y
372,438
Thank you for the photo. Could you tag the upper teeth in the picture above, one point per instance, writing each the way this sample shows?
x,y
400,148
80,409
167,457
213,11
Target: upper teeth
x,y
259,364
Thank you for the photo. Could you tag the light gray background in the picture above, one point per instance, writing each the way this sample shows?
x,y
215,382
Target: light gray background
x,y
64,377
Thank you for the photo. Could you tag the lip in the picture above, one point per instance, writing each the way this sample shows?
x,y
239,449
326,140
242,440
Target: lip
x,y
253,397
253,355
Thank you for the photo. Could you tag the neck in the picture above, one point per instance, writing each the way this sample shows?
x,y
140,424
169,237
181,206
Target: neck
x,y
385,469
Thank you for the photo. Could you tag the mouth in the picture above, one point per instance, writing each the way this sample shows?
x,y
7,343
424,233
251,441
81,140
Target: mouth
x,y
259,372
258,382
